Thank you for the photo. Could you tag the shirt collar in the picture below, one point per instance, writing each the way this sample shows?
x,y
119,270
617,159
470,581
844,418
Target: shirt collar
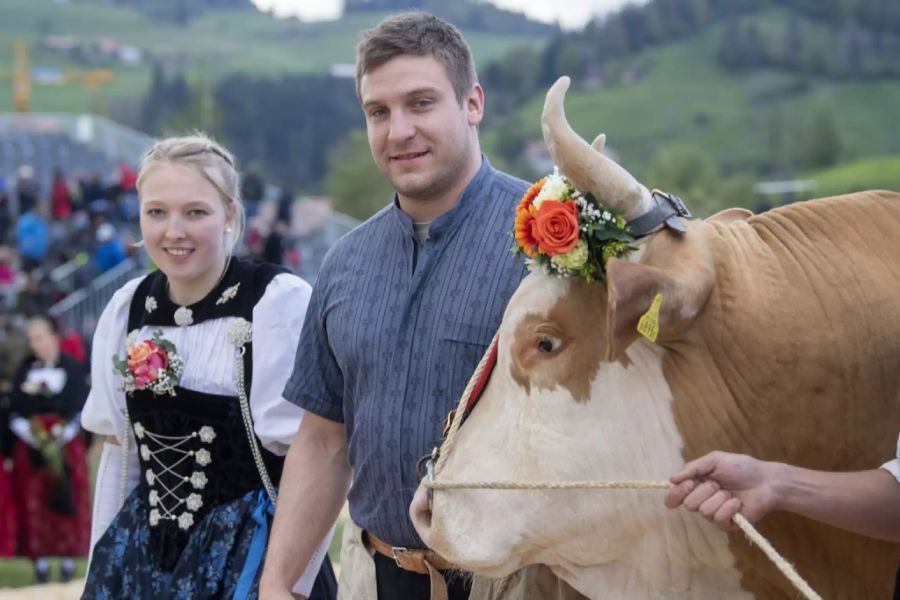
x,y
451,219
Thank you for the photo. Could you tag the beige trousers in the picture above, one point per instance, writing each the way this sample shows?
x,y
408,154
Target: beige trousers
x,y
357,578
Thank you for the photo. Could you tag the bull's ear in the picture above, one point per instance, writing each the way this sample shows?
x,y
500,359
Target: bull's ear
x,y
631,289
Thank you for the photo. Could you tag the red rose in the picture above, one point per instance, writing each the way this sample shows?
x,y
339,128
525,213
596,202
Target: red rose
x,y
556,227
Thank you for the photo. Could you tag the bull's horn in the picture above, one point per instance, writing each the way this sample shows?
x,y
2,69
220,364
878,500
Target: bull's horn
x,y
587,167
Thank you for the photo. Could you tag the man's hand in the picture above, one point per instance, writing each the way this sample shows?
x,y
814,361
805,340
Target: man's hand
x,y
720,484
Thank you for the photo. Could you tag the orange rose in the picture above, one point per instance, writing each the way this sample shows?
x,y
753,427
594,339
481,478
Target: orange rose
x,y
139,353
556,227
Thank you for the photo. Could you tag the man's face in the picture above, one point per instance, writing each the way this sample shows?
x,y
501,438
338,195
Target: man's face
x,y
420,136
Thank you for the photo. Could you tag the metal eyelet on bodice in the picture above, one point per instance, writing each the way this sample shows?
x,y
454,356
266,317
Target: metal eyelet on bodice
x,y
174,494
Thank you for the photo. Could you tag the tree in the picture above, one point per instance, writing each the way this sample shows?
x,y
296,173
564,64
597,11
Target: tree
x,y
355,184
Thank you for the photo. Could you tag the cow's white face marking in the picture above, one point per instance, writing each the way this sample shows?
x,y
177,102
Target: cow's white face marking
x,y
624,542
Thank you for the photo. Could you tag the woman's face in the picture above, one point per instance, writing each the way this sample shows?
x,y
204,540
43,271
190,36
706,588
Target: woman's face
x,y
183,223
44,343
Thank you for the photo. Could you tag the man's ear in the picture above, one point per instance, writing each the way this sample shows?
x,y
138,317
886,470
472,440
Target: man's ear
x,y
474,104
632,287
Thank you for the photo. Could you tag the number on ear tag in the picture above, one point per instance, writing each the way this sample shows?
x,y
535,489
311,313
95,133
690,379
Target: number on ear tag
x,y
648,326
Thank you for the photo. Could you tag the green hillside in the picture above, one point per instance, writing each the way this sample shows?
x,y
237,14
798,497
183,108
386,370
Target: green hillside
x,y
214,44
679,102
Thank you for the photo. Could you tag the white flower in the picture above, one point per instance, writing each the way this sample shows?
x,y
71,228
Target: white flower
x,y
154,517
131,338
606,216
228,294
185,520
153,498
194,502
203,457
139,430
150,477
240,332
184,316
145,452
150,304
555,188
198,480
207,434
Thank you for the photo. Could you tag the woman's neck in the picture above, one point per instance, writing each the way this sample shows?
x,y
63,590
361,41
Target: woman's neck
x,y
186,294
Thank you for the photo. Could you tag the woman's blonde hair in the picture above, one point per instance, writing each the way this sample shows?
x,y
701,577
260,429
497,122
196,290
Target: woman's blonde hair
x,y
210,160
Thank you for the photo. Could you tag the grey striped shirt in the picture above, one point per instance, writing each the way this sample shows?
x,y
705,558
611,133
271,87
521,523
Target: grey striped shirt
x,y
394,330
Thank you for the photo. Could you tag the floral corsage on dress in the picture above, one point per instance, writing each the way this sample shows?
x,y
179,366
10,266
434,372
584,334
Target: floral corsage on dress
x,y
152,364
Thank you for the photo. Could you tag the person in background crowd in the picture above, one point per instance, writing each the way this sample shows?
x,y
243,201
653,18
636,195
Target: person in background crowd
x,y
60,198
196,426
32,238
50,475
110,250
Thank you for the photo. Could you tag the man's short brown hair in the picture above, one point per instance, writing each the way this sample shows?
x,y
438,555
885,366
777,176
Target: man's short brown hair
x,y
418,34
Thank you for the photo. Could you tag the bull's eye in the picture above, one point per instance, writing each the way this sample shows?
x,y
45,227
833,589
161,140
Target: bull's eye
x,y
549,344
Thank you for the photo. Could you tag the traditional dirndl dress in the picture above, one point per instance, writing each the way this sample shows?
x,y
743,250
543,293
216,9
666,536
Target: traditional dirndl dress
x,y
197,524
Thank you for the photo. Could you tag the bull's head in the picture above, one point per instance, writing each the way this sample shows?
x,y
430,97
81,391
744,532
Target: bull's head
x,y
576,394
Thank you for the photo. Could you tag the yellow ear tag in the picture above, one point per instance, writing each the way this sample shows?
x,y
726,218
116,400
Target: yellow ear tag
x,y
648,326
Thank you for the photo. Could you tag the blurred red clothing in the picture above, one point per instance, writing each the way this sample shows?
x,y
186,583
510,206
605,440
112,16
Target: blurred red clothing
x,y
72,345
60,199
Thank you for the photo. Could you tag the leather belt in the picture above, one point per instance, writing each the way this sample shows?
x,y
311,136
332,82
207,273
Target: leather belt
x,y
413,560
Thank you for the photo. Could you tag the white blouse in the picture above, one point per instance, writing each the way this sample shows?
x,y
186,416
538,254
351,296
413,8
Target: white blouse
x,y
210,360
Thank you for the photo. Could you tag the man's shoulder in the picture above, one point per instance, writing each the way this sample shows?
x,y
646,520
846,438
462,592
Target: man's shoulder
x,y
362,238
509,183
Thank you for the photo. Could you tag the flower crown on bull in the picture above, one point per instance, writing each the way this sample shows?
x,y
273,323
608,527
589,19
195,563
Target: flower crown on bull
x,y
571,223
567,232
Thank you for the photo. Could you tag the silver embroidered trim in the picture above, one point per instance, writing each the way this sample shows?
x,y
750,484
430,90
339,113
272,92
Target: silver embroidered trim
x,y
240,332
207,434
185,520
184,316
198,480
228,294
203,457
194,502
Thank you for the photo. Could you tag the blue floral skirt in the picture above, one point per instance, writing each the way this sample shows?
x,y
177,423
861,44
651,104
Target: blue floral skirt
x,y
210,566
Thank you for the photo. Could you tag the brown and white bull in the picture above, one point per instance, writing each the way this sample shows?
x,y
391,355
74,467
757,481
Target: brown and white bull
x,y
779,337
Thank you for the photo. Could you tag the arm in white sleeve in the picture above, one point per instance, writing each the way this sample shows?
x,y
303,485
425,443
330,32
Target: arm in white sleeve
x,y
107,491
104,411
277,320
893,467
22,428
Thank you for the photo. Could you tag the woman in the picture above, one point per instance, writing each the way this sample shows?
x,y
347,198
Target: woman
x,y
188,367
49,476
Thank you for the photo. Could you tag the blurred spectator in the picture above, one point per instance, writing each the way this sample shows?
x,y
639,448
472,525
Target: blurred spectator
x,y
6,212
31,238
91,188
37,295
50,476
7,279
273,249
60,198
285,204
252,190
127,178
110,250
26,190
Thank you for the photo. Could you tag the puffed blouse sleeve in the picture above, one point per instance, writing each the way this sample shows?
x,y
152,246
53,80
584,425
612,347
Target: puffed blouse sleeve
x,y
104,411
277,320
893,467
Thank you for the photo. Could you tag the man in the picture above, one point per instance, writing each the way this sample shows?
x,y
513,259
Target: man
x,y
402,311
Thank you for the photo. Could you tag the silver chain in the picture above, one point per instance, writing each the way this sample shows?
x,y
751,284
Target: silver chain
x,y
248,425
124,482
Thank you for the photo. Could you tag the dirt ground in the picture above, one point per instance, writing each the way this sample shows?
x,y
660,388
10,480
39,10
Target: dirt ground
x,y
49,591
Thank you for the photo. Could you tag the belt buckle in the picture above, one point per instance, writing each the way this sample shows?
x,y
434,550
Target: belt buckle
x,y
395,550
